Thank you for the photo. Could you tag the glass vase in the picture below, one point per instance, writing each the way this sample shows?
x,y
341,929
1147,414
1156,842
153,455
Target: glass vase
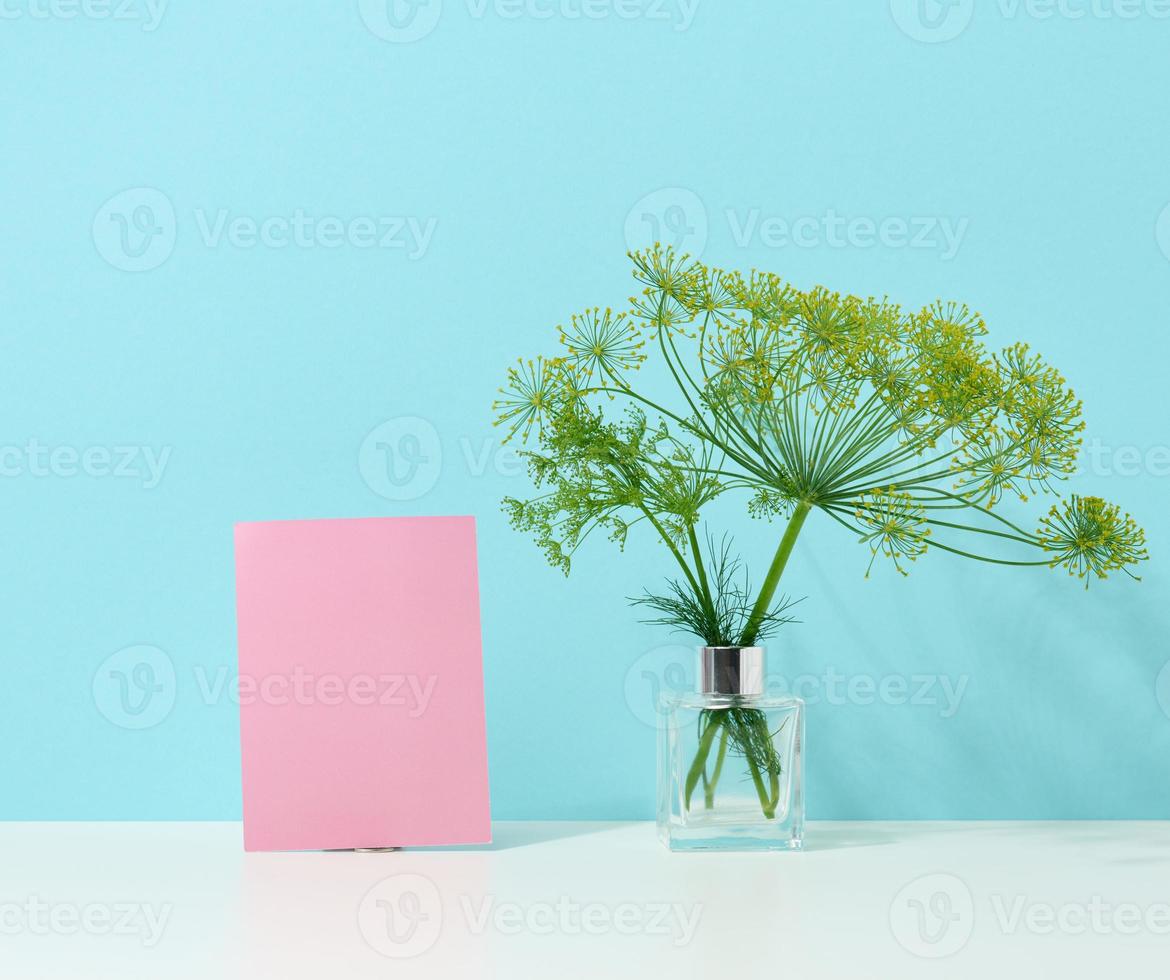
x,y
730,773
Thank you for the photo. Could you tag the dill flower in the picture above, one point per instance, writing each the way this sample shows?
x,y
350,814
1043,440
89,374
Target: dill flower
x,y
947,334
746,361
1044,418
832,331
891,372
530,394
833,339
714,295
665,271
1023,369
885,323
960,389
1087,535
764,296
673,288
896,527
992,468
600,342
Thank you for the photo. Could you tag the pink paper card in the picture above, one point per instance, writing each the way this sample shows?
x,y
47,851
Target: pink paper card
x,y
361,684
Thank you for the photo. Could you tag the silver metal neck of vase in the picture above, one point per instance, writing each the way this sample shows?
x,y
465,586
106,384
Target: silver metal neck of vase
x,y
731,670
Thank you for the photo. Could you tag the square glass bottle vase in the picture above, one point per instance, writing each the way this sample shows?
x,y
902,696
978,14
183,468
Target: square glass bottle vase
x,y
730,770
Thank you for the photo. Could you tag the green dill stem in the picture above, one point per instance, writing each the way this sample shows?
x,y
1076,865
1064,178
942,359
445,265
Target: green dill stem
x,y
768,591
706,587
769,811
673,550
709,794
761,724
699,764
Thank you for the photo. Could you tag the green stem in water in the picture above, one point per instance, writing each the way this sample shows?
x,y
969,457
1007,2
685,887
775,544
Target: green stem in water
x,y
699,765
709,794
727,723
761,724
775,570
769,811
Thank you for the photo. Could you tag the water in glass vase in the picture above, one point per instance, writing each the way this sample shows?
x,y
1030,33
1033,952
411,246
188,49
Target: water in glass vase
x,y
729,760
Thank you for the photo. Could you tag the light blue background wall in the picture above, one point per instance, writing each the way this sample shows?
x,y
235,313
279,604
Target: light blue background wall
x,y
532,142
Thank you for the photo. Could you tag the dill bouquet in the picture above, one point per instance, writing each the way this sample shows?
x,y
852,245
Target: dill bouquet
x,y
898,425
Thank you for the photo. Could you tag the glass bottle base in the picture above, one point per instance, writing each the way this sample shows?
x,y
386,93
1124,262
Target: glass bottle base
x,y
689,839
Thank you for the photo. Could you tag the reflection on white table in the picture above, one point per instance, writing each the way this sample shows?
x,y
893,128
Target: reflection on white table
x,y
888,900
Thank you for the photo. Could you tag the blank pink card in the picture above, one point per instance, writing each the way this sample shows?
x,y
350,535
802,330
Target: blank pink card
x,y
361,684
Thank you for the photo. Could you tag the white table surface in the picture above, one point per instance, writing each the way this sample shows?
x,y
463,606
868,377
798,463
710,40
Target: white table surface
x,y
889,900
